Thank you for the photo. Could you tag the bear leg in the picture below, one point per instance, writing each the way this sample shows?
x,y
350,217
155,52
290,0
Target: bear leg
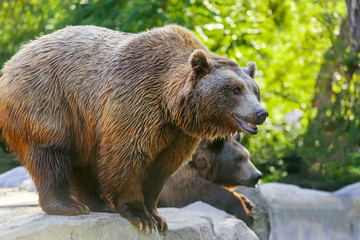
x,y
166,163
86,189
151,189
123,191
50,168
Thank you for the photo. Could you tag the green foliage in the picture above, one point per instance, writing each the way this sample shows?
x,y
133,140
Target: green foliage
x,y
331,144
287,39
7,161
23,20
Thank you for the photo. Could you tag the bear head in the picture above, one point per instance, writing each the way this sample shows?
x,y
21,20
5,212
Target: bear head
x,y
225,162
227,97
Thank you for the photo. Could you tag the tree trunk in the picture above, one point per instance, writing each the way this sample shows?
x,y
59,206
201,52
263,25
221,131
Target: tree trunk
x,y
332,124
353,7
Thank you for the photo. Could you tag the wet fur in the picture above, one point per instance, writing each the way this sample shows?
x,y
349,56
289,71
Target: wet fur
x,y
196,182
96,114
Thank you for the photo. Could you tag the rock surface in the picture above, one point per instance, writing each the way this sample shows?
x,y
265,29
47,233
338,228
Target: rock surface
x,y
282,211
260,211
22,218
17,177
297,213
225,225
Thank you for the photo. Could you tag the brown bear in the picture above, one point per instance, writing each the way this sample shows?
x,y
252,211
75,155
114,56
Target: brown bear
x,y
215,163
96,114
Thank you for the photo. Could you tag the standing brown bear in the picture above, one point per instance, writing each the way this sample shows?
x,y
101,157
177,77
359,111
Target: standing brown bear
x,y
95,114
215,163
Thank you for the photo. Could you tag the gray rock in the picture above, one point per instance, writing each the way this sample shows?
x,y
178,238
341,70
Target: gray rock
x,y
352,190
297,213
22,218
350,197
28,185
287,195
16,177
260,211
225,226
292,212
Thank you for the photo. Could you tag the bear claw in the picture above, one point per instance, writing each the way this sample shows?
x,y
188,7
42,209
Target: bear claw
x,y
70,207
139,217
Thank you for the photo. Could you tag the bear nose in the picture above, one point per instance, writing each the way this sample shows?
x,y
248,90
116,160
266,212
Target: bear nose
x,y
262,115
255,178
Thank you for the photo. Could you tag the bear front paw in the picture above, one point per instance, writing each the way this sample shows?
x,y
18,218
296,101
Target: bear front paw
x,y
161,223
139,217
67,206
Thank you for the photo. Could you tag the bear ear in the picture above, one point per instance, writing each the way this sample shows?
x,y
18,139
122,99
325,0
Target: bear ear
x,y
250,69
199,62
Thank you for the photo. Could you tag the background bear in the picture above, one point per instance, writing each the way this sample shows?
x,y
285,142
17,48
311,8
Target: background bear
x,y
215,163
96,114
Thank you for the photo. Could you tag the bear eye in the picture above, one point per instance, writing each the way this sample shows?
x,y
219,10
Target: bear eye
x,y
237,90
238,159
257,93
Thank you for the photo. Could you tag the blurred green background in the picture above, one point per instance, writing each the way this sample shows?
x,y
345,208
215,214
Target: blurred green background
x,y
308,71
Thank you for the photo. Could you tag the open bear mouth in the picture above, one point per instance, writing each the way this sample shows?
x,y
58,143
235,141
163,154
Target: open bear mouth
x,y
248,127
248,184
245,183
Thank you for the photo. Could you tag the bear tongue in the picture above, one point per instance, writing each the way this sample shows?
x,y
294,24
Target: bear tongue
x,y
248,126
245,125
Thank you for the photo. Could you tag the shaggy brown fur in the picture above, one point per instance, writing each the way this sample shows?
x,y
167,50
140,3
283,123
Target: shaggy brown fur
x,y
215,163
93,112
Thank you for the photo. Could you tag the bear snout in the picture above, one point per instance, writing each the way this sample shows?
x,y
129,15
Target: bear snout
x,y
255,178
261,116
